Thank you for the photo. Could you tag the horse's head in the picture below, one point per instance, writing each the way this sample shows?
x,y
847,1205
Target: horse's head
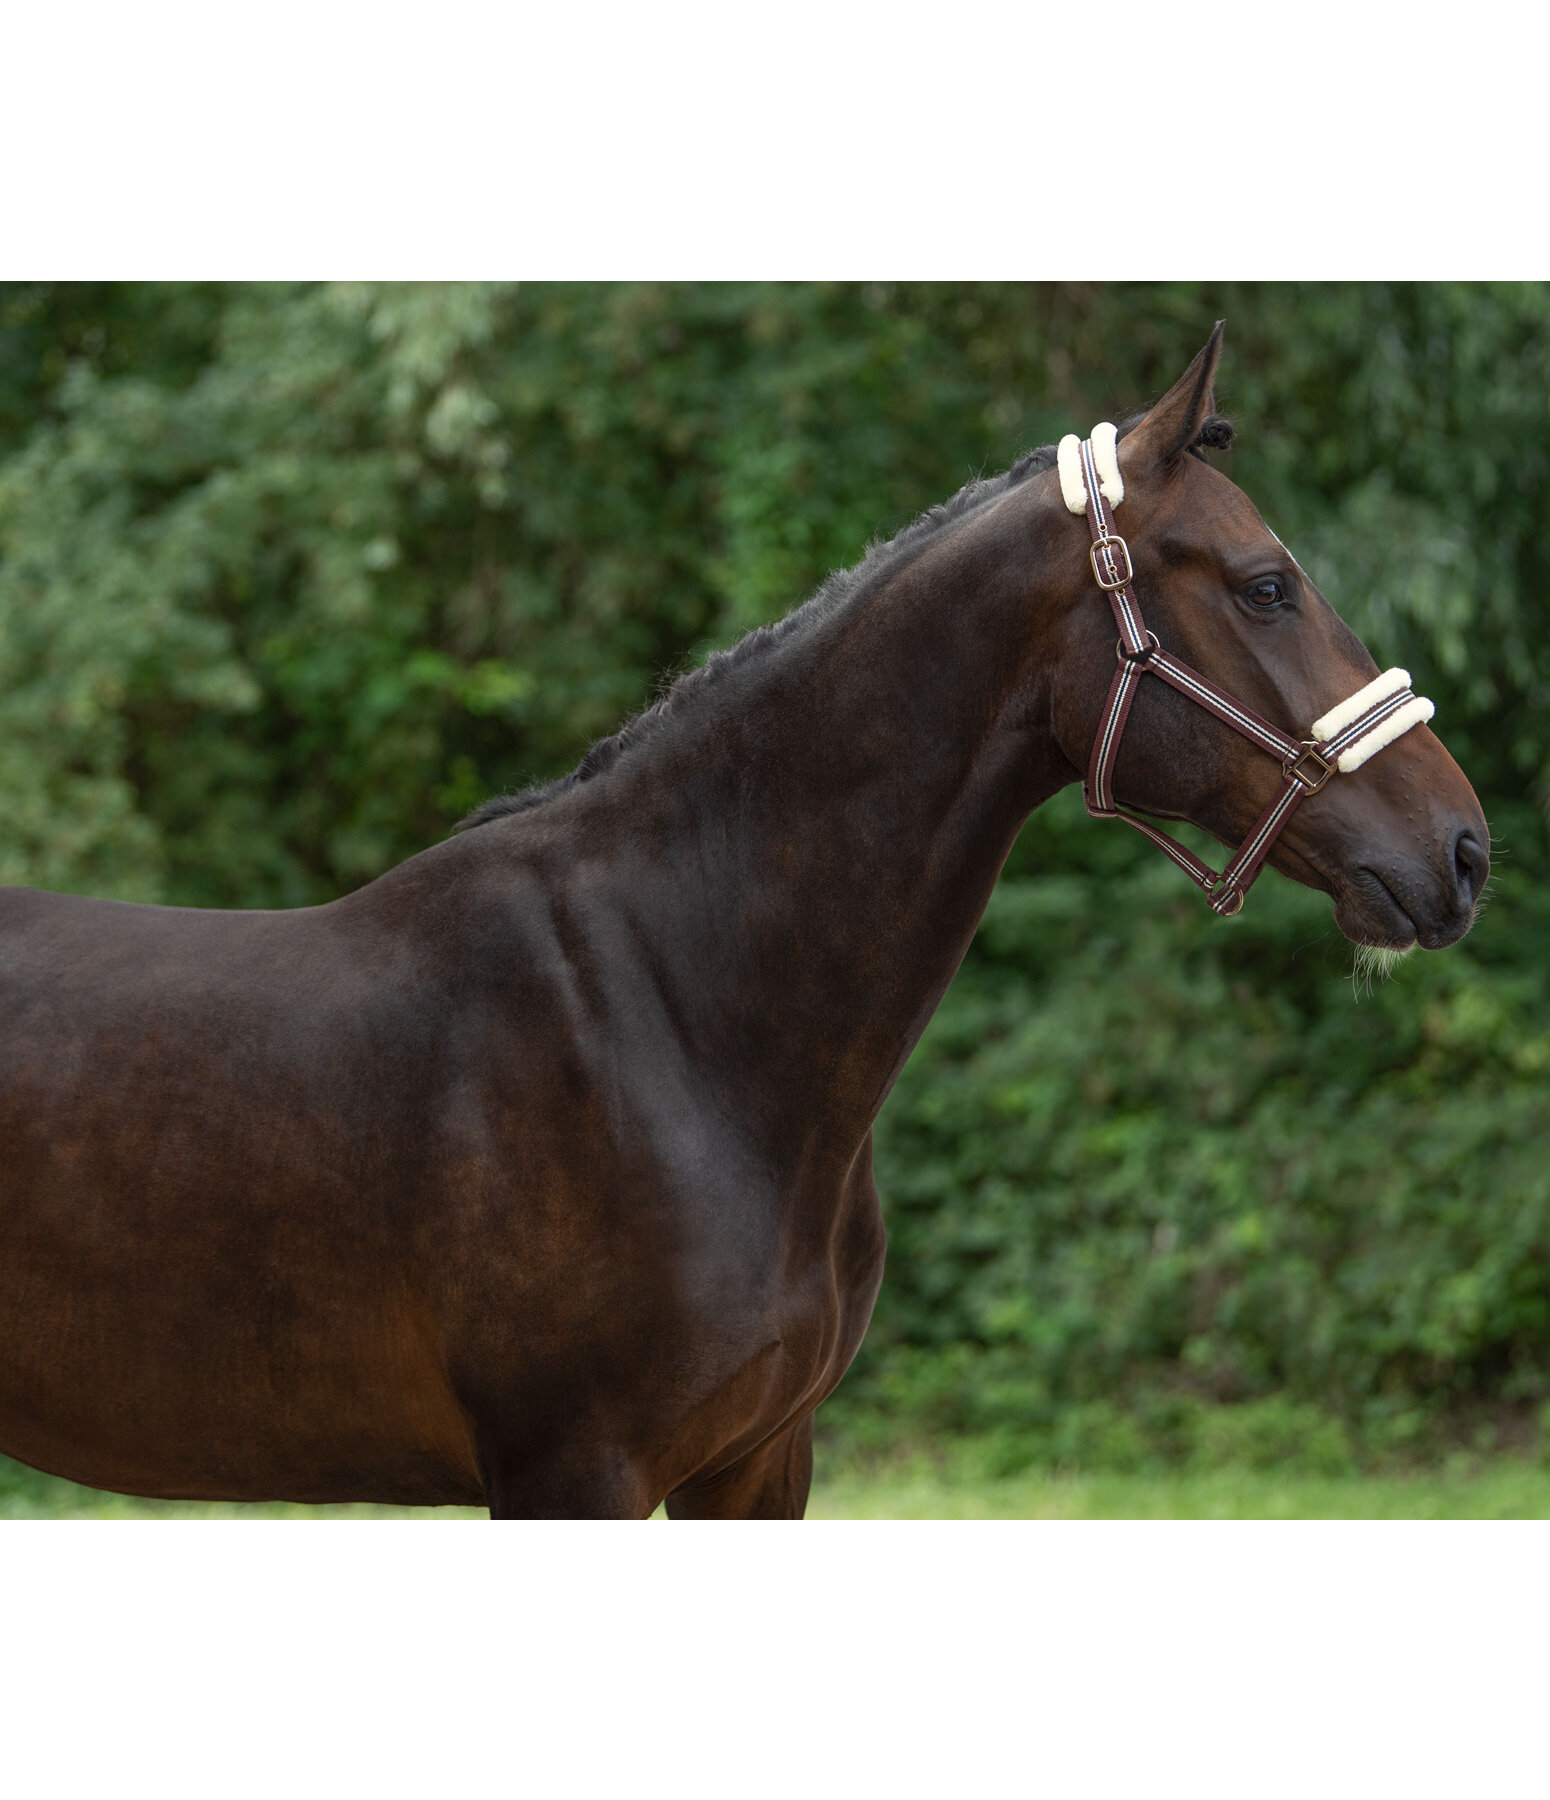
x,y
1400,841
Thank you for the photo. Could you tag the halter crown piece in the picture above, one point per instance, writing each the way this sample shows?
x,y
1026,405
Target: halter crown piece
x,y
1340,742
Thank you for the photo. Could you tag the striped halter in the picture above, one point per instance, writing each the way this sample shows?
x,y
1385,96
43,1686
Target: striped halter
x,y
1341,741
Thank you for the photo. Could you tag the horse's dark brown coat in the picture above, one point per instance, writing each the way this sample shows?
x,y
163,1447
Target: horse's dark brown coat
x,y
537,1173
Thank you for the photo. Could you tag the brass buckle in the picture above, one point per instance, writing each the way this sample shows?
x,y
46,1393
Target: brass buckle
x,y
1312,780
1119,552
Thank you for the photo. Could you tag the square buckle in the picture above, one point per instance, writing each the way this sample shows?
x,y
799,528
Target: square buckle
x,y
1310,768
1118,555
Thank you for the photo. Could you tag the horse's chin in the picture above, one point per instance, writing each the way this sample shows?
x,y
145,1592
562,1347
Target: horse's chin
x,y
1369,913
1369,934
1365,908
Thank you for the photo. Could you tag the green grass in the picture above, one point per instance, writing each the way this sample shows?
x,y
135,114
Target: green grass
x,y
920,1489
1503,1490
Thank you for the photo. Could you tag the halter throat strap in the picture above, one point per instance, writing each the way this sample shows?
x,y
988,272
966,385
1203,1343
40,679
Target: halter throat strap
x,y
1339,742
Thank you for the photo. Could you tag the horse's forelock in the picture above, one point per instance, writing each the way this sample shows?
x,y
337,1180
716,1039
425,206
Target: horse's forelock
x,y
1216,432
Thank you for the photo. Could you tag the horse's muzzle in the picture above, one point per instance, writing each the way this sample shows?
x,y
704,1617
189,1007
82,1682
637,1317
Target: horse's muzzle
x,y
1395,902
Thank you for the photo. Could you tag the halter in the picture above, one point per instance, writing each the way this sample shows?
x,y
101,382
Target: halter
x,y
1341,741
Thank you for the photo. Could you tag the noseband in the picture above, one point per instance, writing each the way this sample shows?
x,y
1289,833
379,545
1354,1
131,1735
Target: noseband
x,y
1340,742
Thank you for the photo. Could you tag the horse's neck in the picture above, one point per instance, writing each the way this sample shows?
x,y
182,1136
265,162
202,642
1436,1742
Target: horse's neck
x,y
836,829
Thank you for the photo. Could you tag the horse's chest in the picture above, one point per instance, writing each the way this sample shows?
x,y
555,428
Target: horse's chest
x,y
786,1326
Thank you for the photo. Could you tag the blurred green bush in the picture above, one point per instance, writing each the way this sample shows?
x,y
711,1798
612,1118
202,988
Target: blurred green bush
x,y
292,575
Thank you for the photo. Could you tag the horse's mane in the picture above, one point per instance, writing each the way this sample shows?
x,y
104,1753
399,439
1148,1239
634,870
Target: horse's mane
x,y
882,557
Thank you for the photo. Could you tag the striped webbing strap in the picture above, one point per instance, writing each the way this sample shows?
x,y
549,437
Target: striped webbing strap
x,y
1342,740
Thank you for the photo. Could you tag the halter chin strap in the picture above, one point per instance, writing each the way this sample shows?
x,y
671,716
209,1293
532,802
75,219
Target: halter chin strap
x,y
1341,741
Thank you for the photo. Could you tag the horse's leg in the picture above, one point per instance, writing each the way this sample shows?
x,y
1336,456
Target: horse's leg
x,y
769,1483
574,1483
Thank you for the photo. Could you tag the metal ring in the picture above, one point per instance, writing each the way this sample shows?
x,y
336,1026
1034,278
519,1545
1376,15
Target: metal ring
x,y
1140,656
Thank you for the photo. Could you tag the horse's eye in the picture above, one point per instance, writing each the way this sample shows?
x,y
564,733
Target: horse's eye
x,y
1267,593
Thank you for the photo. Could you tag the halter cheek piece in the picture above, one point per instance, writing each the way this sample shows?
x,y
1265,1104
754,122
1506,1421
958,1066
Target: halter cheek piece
x,y
1341,741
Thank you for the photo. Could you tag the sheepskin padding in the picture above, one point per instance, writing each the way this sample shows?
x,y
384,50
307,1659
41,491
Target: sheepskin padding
x,y
1111,483
1391,681
1068,459
1414,712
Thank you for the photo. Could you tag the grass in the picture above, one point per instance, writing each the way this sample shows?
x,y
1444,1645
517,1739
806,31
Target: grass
x,y
1503,1488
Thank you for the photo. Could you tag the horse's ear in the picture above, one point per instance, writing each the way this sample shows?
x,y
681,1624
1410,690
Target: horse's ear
x,y
1174,422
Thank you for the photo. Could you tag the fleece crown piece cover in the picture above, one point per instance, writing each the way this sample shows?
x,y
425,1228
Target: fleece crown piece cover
x,y
1068,459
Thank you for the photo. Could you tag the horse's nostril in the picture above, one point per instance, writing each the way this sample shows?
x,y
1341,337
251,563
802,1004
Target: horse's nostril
x,y
1471,865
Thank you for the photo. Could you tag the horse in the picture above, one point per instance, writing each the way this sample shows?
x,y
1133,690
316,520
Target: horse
x,y
536,1174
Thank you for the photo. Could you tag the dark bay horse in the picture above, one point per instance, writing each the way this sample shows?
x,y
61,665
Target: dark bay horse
x,y
537,1173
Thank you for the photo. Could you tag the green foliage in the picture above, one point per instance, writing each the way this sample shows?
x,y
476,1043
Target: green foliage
x,y
291,576
285,594
1133,1157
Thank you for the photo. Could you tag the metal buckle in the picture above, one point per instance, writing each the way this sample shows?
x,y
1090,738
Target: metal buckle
x,y
1311,780
1119,551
